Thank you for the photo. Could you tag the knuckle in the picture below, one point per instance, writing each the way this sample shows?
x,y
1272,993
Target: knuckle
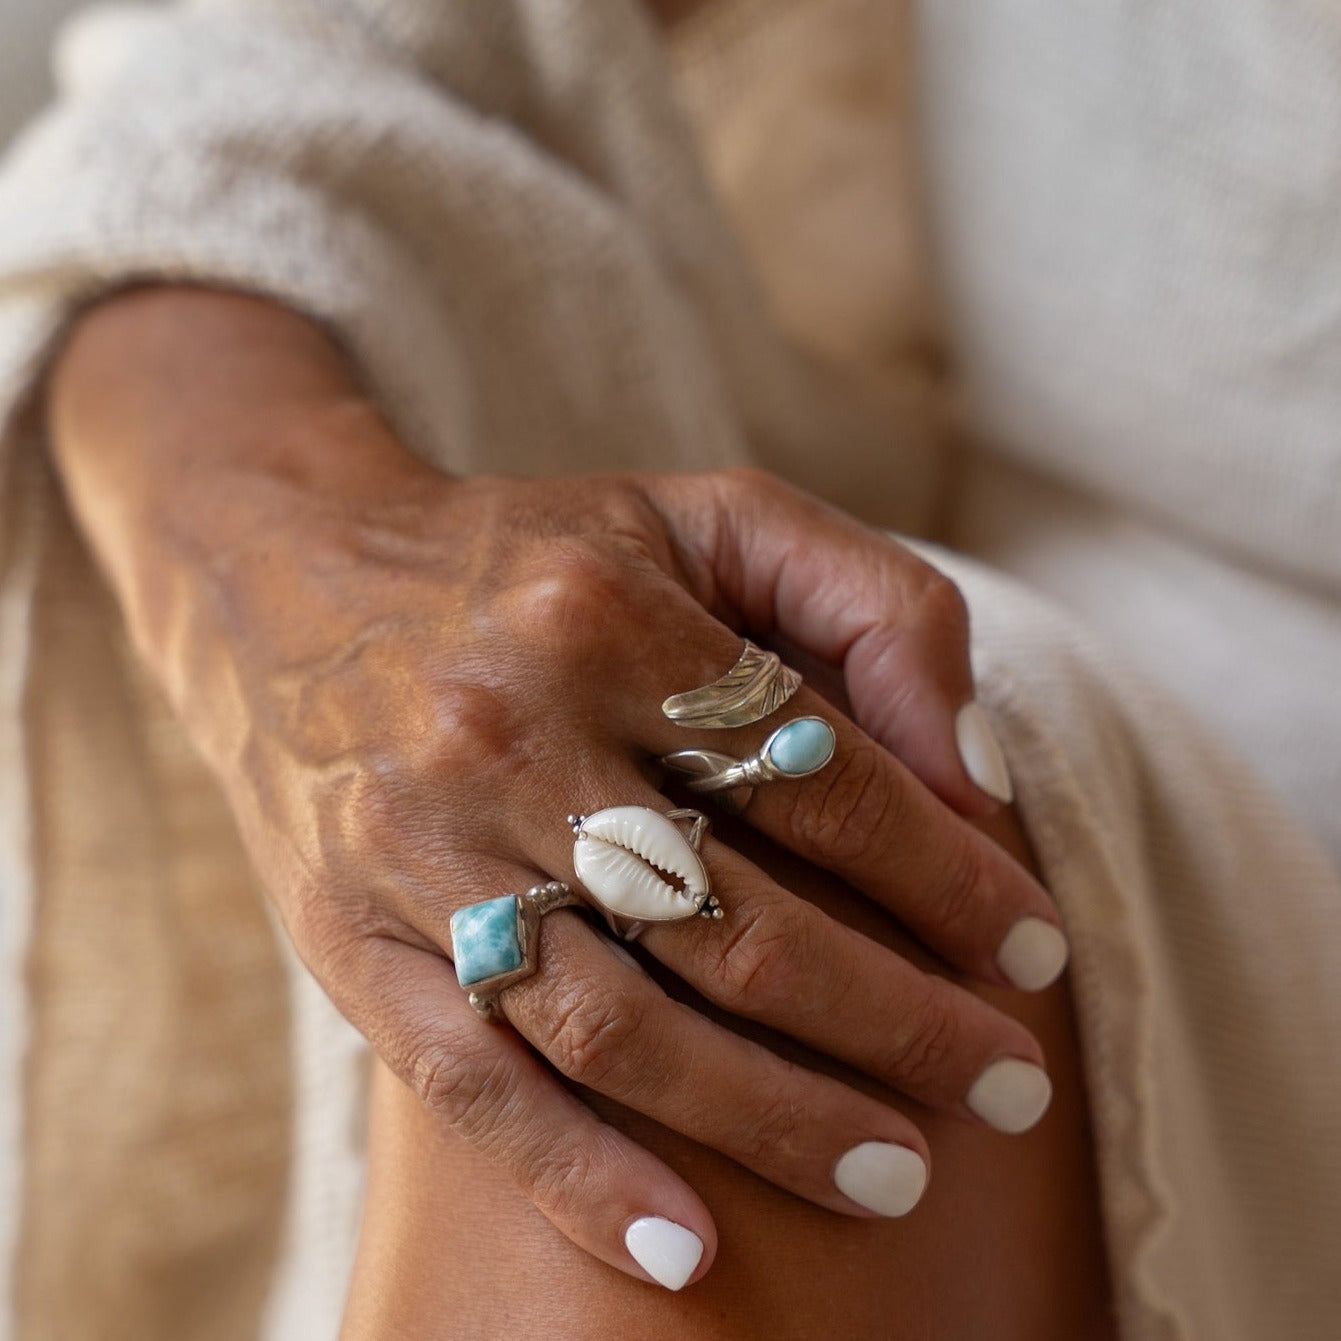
x,y
748,482
469,722
563,606
777,1116
844,807
330,930
561,1178
943,605
762,961
927,1042
463,730
956,898
456,728
458,1086
590,1034
311,927
333,923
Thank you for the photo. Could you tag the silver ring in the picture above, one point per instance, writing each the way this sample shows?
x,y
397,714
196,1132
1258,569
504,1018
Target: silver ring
x,y
795,750
497,942
637,866
757,685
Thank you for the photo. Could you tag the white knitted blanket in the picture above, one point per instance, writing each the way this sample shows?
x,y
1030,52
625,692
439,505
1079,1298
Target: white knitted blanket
x,y
495,205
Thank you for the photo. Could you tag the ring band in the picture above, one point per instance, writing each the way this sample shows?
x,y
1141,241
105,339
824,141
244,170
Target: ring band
x,y
497,942
757,685
637,867
795,750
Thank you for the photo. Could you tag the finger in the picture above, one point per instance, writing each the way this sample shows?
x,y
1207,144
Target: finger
x,y
863,816
604,1192
778,959
785,561
604,1024
979,910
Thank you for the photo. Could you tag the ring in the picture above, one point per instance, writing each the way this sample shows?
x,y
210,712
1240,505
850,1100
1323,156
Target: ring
x,y
795,750
755,686
497,942
637,867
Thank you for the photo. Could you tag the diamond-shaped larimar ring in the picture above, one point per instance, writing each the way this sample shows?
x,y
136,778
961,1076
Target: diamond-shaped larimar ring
x,y
795,750
638,866
497,942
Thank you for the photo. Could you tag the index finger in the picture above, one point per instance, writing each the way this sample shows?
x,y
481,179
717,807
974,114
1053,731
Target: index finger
x,y
853,597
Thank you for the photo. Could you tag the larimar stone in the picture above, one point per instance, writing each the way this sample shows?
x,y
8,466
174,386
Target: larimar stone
x,y
485,940
801,746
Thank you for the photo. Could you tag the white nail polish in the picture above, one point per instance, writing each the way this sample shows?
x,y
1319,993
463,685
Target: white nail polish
x,y
887,1179
1033,954
981,752
666,1251
1010,1095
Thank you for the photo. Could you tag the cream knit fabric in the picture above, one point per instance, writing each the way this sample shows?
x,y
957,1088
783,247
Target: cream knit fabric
x,y
497,207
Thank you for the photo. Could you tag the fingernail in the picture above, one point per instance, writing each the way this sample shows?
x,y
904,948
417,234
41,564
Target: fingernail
x,y
1010,1095
1033,954
981,752
666,1251
887,1179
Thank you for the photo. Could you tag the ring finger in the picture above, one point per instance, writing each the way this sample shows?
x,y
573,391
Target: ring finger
x,y
778,959
605,1025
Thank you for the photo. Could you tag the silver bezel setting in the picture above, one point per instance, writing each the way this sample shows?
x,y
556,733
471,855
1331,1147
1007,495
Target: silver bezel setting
x,y
531,908
730,781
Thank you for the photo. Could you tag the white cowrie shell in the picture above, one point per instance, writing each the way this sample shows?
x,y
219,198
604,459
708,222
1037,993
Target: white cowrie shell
x,y
622,856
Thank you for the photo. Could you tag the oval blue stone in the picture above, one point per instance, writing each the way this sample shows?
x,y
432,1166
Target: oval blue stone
x,y
801,746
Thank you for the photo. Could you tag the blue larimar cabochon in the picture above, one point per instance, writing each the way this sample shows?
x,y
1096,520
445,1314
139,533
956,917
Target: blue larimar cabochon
x,y
801,746
486,940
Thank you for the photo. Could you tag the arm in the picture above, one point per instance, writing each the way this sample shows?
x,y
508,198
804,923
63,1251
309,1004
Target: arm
x,y
403,680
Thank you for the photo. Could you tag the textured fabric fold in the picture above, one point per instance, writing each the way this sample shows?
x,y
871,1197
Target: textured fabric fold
x,y
1204,927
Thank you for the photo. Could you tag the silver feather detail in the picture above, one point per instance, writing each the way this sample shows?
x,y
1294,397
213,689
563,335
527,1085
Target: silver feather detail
x,y
757,685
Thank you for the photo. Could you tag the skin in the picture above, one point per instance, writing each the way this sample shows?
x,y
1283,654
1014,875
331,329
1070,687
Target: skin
x,y
1006,1244
402,681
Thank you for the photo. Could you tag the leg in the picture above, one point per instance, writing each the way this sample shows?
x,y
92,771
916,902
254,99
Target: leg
x,y
1007,1242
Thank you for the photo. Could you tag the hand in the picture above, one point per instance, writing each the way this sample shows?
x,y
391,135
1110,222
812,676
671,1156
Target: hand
x,y
405,683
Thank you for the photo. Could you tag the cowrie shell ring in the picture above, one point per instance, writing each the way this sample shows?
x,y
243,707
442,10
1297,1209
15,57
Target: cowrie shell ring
x,y
639,866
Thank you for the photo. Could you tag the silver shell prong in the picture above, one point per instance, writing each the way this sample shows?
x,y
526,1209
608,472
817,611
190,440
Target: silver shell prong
x,y
699,824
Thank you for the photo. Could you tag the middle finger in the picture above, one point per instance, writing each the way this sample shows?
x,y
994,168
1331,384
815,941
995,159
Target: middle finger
x,y
777,959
